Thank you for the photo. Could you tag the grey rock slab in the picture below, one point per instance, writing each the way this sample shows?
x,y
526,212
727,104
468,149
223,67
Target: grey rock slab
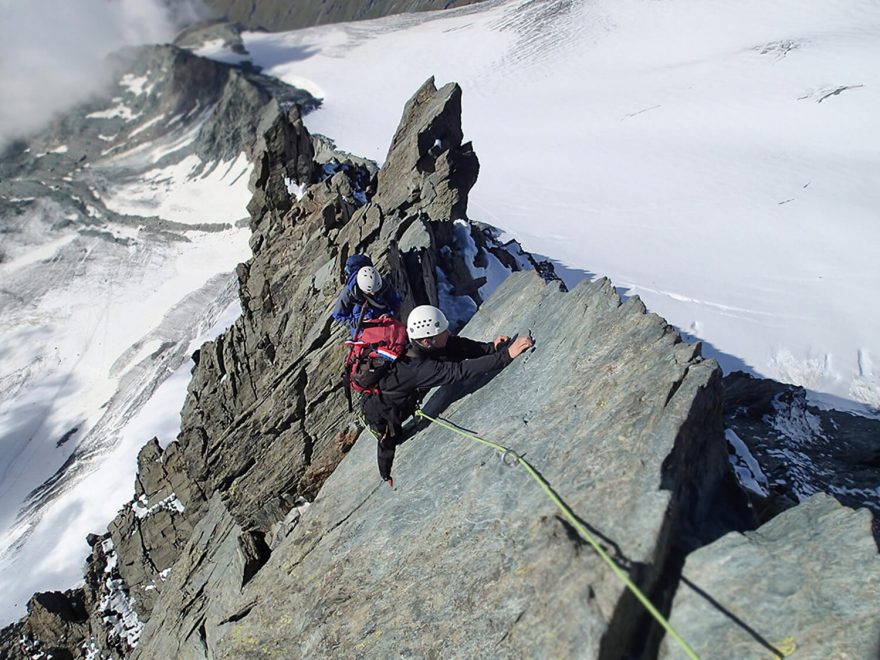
x,y
199,591
808,581
466,557
150,531
416,237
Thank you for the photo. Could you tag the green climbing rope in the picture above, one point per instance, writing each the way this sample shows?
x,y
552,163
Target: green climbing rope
x,y
574,522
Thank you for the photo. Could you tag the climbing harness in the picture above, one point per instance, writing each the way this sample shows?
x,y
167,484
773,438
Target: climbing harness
x,y
573,521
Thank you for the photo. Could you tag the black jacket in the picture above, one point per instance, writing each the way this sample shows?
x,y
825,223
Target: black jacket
x,y
416,372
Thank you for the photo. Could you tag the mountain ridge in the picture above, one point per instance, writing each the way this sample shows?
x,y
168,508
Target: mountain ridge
x,y
265,425
279,16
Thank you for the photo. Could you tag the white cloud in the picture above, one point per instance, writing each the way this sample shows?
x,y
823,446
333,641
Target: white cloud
x,y
52,52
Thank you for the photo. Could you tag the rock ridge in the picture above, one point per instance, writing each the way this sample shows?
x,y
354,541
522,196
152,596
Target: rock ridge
x,y
264,527
284,341
463,513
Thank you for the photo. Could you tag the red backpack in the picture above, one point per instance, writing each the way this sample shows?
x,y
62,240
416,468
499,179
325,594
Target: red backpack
x,y
377,345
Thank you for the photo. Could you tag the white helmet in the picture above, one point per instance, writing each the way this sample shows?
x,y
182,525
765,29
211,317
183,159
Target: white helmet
x,y
368,280
425,321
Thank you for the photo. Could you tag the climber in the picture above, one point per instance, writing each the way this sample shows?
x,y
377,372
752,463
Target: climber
x,y
366,295
434,357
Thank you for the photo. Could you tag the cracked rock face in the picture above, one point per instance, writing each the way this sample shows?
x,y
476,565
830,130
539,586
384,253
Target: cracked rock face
x,y
151,530
265,419
200,592
466,556
808,581
56,626
95,620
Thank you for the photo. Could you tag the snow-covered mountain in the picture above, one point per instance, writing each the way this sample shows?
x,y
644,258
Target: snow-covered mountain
x,y
53,53
719,160
122,223
275,15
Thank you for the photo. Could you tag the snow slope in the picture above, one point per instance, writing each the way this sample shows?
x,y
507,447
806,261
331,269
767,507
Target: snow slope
x,y
721,160
96,360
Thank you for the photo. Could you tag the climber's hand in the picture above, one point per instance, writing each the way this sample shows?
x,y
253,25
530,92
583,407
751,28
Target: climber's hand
x,y
520,345
500,340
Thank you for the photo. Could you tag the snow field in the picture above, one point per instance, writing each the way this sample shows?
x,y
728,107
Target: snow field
x,y
176,193
78,371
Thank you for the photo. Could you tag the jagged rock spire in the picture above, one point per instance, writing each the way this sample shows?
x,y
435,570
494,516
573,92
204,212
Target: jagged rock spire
x,y
427,164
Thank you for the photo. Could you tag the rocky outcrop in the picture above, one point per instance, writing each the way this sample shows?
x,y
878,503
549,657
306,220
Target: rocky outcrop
x,y
95,620
273,15
202,590
222,555
284,157
465,556
265,411
151,530
805,584
57,626
427,166
786,450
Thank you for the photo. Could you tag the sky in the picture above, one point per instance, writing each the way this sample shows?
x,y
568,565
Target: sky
x,y
52,51
718,159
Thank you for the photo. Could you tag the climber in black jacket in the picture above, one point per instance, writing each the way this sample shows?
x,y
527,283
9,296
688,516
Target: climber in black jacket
x,y
435,357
